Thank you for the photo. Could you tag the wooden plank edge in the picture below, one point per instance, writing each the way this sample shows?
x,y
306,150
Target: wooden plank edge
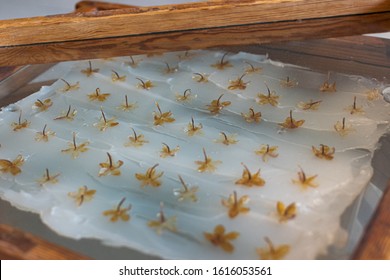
x,y
180,18
194,39
18,245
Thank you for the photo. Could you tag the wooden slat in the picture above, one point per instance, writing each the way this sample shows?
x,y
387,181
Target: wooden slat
x,y
182,17
18,245
194,39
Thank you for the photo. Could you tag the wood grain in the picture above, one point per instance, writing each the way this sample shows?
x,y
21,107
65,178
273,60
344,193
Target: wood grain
x,y
19,245
181,17
194,39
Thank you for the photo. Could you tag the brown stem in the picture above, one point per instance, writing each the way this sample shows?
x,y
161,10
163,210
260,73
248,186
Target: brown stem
x,y
224,135
247,170
40,102
150,171
169,149
74,141
343,123
135,135
143,83
205,155
354,103
219,99
67,113
44,130
47,174
222,59
116,74
162,217
118,208
159,109
109,159
185,92
97,91
103,115
66,83
183,183
253,68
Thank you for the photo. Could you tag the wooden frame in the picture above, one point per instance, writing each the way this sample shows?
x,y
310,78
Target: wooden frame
x,y
116,30
134,30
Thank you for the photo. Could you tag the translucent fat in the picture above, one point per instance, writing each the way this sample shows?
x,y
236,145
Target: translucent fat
x,y
227,140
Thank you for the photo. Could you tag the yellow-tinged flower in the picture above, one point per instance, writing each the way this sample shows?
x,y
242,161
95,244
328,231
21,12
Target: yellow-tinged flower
x,y
305,181
273,252
311,105
136,140
187,96
286,213
170,70
216,105
132,63
221,239
98,96
252,69
163,223
248,179
208,165
373,94
166,151
68,115
270,98
238,83
115,77
354,109
328,86
342,128
236,205
13,167
83,194
222,64
226,139
267,151
288,83
43,105
69,86
75,150
291,123
324,152
162,117
186,193
16,126
44,134
47,178
150,178
89,71
105,123
126,106
193,129
119,213
201,78
252,116
144,85
109,168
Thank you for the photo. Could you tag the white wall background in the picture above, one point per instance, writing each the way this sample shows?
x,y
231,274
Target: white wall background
x,y
29,8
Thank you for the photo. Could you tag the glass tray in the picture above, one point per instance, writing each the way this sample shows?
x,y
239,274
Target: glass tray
x,y
354,220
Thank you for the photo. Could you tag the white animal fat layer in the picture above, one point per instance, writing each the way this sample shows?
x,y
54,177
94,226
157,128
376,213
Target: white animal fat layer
x,y
157,118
